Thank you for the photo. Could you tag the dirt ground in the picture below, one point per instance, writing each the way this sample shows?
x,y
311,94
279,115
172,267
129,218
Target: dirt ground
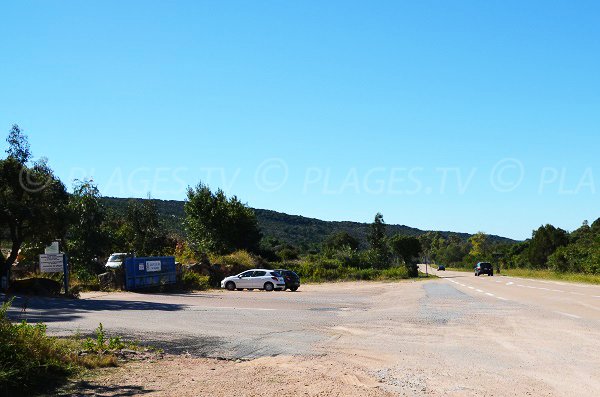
x,y
424,338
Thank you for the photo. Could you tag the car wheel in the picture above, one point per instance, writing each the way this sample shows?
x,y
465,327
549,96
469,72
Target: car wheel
x,y
239,289
294,289
492,274
269,286
250,289
230,286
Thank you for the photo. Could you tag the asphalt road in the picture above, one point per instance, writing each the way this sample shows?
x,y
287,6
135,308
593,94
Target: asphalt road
x,y
571,300
457,335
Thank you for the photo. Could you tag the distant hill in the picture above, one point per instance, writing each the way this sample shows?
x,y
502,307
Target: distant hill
x,y
292,229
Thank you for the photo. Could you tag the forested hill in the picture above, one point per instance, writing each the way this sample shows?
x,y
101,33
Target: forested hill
x,y
292,229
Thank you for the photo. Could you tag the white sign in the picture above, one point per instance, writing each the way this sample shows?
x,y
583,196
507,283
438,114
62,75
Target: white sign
x,y
52,248
51,263
153,266
141,267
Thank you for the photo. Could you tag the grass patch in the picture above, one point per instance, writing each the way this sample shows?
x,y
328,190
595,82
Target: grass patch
x,y
551,275
543,274
32,362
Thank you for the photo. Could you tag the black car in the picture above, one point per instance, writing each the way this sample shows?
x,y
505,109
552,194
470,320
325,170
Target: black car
x,y
484,268
441,267
292,280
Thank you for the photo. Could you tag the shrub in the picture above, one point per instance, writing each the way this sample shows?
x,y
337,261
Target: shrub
x,y
31,361
195,281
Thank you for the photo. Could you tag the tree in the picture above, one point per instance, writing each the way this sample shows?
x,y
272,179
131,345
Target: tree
x,y
480,246
544,242
219,225
144,231
86,238
377,242
33,202
341,240
407,249
18,145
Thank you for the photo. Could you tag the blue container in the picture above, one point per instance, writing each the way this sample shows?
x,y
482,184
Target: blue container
x,y
149,272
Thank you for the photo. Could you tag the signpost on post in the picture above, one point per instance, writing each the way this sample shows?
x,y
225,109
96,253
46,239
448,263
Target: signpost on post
x,y
55,262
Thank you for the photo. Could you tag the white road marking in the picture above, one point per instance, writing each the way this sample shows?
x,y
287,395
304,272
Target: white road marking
x,y
474,288
501,298
510,283
567,314
488,294
576,293
478,290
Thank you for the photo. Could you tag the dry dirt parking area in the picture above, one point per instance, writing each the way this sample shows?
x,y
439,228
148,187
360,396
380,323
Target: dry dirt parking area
x,y
455,336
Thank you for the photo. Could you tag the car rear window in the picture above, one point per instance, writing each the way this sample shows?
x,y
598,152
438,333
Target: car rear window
x,y
275,274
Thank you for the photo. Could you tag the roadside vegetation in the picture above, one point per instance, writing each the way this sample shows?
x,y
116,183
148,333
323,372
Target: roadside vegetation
x,y
219,236
31,361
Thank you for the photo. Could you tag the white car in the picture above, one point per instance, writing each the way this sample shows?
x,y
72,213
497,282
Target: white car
x,y
115,261
254,279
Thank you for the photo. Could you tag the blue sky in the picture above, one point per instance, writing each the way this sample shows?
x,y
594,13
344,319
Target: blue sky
x,y
463,115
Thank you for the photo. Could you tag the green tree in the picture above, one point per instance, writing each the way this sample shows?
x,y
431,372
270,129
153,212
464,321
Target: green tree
x,y
33,201
407,249
379,252
219,225
544,242
480,246
144,231
341,240
87,240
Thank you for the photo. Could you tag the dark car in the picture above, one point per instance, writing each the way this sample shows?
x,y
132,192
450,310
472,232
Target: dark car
x,y
484,268
441,267
292,280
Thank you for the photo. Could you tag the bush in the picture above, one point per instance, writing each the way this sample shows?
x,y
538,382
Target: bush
x,y
195,281
31,361
317,268
29,358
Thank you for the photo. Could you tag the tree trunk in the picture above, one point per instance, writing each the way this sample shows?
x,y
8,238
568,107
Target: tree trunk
x,y
7,264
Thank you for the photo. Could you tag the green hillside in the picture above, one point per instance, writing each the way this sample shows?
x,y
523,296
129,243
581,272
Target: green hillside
x,y
293,229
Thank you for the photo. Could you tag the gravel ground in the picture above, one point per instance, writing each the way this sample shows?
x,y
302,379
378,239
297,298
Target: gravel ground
x,y
414,338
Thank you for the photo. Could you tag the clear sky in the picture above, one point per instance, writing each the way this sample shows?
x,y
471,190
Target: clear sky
x,y
446,115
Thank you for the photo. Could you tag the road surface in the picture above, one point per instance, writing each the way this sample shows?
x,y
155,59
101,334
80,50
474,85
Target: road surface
x,y
457,335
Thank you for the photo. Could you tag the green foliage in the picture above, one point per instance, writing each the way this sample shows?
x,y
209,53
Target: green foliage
x,y
102,342
195,281
480,247
408,250
33,201
544,242
341,240
144,232
317,268
87,240
379,252
18,145
219,225
28,358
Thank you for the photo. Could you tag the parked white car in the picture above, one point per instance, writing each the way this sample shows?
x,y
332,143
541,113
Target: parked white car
x,y
254,279
115,261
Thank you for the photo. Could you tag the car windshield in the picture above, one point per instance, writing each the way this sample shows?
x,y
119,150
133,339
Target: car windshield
x,y
116,258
